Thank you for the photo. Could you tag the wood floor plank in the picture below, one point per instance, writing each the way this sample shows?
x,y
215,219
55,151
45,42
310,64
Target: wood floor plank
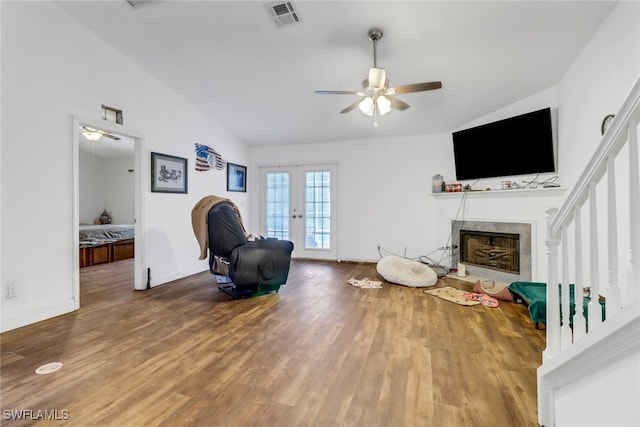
x,y
318,353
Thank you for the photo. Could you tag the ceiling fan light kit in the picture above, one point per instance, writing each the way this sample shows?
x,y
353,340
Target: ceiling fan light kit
x,y
92,136
377,78
380,104
378,96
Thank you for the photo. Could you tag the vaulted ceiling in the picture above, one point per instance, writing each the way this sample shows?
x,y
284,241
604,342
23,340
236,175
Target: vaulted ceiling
x,y
257,80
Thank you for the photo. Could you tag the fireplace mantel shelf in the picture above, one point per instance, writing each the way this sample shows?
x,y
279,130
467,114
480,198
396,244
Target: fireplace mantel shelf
x,y
522,192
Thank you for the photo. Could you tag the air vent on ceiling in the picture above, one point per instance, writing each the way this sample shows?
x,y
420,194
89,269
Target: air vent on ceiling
x,y
138,3
282,13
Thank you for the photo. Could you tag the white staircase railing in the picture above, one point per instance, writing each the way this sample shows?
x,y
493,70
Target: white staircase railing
x,y
594,254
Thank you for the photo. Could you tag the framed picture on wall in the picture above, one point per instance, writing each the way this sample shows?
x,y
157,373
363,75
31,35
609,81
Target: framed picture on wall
x,y
236,177
168,174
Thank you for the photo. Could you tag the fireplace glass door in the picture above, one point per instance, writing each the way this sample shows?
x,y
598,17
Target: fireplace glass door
x,y
497,251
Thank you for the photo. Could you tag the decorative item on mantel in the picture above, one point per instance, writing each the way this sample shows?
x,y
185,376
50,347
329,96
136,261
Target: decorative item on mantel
x,y
455,187
105,218
438,183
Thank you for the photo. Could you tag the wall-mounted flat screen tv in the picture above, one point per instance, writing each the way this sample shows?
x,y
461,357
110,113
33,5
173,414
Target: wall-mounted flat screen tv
x,y
520,145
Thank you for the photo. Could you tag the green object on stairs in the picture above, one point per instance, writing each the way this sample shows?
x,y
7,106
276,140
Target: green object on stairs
x,y
535,295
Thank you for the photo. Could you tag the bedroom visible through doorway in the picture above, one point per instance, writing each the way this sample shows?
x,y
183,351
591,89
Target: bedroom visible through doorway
x,y
106,197
106,187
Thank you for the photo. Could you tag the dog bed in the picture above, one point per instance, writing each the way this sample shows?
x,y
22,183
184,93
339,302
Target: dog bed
x,y
406,272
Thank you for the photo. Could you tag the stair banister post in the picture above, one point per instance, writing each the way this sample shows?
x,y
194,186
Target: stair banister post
x,y
634,207
594,310
614,302
553,303
579,321
565,329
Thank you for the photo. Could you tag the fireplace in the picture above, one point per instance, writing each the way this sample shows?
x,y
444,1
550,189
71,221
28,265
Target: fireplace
x,y
493,250
497,251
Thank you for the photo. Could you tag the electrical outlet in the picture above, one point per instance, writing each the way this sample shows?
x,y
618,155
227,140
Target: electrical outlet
x,y
12,290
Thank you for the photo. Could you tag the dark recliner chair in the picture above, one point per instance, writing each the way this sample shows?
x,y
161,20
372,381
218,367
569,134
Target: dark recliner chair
x,y
254,267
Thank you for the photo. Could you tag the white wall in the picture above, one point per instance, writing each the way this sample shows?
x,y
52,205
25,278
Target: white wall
x,y
383,190
92,186
596,84
120,194
106,182
45,81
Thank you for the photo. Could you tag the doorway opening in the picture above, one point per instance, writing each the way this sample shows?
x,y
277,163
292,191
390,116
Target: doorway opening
x,y
107,198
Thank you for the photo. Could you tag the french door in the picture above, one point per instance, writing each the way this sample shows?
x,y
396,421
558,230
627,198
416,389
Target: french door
x,y
298,203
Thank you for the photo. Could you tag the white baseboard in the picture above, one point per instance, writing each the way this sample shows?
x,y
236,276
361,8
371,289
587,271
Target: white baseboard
x,y
43,313
36,315
177,275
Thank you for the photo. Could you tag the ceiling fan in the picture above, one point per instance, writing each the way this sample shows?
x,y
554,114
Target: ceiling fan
x,y
378,96
93,134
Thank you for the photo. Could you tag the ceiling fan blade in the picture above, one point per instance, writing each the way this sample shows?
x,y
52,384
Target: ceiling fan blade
x,y
337,92
108,135
351,107
415,87
396,104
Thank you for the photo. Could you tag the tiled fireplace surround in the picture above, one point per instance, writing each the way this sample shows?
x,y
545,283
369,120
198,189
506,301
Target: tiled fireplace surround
x,y
523,229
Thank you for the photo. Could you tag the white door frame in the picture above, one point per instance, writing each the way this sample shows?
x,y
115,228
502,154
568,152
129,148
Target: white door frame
x,y
140,172
298,186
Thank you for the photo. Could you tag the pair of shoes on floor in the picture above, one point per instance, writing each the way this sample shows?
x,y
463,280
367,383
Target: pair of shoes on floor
x,y
502,294
483,299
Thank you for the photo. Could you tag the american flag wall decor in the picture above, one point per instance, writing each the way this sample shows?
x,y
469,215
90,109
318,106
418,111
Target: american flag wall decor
x,y
207,158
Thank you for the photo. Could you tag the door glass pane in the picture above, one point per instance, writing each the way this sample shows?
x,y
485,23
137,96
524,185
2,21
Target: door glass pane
x,y
317,207
277,205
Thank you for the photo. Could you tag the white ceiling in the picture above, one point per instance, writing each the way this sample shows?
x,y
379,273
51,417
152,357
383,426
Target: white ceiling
x,y
258,81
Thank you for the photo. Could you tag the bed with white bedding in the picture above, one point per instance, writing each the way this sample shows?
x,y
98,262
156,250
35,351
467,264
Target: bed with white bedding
x,y
105,233
105,243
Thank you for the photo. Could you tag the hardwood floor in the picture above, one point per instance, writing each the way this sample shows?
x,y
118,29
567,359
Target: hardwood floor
x,y
319,353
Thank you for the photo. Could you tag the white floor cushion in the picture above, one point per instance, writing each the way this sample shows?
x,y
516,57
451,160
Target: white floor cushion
x,y
403,271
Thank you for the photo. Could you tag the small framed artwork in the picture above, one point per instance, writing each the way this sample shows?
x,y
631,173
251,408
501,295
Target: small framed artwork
x,y
168,174
236,177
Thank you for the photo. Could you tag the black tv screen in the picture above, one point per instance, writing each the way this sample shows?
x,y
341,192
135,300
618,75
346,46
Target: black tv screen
x,y
518,145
